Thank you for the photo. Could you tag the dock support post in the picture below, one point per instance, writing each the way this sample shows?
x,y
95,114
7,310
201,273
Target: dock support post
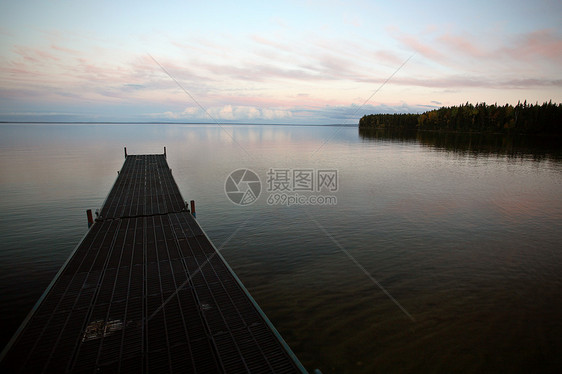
x,y
90,218
193,209
125,151
165,153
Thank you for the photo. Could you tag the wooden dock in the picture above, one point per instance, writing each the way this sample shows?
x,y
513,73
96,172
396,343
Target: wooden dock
x,y
145,291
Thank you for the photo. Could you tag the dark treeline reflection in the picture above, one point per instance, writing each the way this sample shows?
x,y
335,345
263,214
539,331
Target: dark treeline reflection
x,y
535,147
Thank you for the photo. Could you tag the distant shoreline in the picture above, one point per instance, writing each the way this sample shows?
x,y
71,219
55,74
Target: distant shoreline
x,y
354,125
391,130
545,119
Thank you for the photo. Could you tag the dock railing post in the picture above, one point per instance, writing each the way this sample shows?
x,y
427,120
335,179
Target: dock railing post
x,y
165,153
90,217
193,209
125,151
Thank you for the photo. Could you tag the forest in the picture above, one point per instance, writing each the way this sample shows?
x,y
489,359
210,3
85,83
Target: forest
x,y
520,119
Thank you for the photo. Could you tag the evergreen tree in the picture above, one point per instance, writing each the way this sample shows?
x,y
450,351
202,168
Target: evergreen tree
x,y
523,118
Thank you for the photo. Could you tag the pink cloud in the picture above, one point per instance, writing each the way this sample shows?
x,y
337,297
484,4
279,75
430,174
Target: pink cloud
x,y
269,100
461,51
424,49
388,57
261,72
273,73
35,55
475,81
64,49
16,69
461,45
537,44
540,44
86,69
337,67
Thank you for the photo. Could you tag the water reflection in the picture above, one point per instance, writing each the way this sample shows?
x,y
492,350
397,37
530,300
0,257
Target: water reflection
x,y
476,144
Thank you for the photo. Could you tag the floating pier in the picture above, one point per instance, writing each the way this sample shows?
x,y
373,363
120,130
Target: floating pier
x,y
145,291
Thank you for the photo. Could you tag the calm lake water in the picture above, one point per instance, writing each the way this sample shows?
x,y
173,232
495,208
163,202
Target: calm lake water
x,y
442,253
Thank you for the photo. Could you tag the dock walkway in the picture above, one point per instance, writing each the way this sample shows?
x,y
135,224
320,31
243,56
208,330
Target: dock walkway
x,y
146,291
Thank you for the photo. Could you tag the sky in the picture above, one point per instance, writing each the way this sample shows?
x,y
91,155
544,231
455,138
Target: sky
x,y
298,62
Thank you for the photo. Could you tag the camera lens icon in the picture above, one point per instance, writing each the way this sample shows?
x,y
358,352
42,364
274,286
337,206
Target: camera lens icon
x,y
242,187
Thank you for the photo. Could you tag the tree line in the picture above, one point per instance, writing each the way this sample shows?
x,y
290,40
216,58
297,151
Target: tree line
x,y
522,118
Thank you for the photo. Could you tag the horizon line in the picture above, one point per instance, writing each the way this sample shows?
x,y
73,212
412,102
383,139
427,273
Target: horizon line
x,y
168,123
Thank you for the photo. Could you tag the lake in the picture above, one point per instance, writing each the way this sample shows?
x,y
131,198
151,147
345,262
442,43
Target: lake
x,y
419,253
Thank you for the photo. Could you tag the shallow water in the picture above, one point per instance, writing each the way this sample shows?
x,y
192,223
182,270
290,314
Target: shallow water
x,y
441,254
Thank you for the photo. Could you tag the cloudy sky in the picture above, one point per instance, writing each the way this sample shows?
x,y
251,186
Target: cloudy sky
x,y
271,62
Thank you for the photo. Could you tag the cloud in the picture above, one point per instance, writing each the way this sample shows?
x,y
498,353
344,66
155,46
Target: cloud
x,y
255,72
227,113
321,114
536,45
270,78
462,45
35,55
477,81
463,50
276,113
134,87
388,57
471,61
419,46
64,49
